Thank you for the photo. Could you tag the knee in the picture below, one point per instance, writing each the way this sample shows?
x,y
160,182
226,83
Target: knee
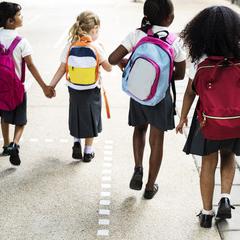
x,y
140,129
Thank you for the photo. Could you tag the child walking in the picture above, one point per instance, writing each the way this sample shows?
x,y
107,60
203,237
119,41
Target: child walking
x,y
212,34
158,16
20,50
80,60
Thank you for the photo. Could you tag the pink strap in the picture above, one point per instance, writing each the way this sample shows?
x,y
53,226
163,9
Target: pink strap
x,y
11,49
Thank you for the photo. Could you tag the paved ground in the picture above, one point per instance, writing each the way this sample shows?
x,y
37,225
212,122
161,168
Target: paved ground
x,y
52,197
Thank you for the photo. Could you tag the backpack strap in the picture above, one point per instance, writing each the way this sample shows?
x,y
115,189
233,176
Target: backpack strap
x,y
11,49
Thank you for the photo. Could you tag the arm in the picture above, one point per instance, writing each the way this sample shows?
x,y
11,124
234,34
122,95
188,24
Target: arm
x,y
58,75
106,66
179,71
117,57
188,99
48,91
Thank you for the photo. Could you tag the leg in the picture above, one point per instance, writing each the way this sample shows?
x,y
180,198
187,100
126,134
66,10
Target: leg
x,y
18,133
5,132
207,179
139,138
227,175
227,170
156,143
88,150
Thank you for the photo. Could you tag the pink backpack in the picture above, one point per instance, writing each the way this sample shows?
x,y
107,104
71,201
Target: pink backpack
x,y
11,87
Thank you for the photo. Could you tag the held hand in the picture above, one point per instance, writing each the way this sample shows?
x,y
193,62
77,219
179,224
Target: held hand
x,y
179,127
49,91
122,64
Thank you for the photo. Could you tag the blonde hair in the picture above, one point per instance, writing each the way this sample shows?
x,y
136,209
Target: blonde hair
x,y
85,22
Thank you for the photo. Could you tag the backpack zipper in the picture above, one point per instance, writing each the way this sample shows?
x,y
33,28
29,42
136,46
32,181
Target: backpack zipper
x,y
218,118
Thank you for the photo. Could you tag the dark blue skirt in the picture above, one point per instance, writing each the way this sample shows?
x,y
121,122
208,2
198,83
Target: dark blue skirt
x,y
160,116
198,145
85,113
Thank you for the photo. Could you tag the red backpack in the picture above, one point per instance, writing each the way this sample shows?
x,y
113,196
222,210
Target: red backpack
x,y
217,82
11,87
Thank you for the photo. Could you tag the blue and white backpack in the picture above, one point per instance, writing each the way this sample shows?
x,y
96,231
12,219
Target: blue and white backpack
x,y
148,73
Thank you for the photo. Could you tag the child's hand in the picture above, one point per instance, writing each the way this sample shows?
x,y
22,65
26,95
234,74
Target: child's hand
x,y
49,91
122,64
179,127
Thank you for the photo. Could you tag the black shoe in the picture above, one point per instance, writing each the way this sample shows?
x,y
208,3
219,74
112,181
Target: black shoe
x,y
136,180
77,151
14,154
149,194
87,157
224,209
205,220
5,151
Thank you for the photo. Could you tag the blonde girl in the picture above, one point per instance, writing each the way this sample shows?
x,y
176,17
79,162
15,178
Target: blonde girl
x,y
84,105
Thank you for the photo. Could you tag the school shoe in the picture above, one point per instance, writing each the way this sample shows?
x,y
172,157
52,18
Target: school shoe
x,y
87,157
149,194
14,154
77,151
136,180
205,220
224,208
5,151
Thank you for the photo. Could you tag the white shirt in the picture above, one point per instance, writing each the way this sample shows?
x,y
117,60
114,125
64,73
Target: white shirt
x,y
22,50
193,67
133,38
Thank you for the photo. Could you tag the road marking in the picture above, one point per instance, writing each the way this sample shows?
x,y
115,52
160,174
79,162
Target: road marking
x,y
103,232
33,140
48,140
104,212
106,171
109,159
63,140
105,202
103,221
106,187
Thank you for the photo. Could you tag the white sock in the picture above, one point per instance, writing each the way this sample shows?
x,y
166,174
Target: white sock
x,y
208,212
226,195
88,149
77,140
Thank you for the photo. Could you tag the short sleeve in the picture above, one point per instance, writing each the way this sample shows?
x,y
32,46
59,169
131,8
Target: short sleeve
x,y
101,52
129,41
25,47
192,70
63,57
179,50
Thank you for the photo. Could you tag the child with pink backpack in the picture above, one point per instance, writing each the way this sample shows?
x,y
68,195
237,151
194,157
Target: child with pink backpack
x,y
213,38
157,60
14,53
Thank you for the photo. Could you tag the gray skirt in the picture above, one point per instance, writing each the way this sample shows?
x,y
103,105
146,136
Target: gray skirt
x,y
85,113
160,116
17,116
198,145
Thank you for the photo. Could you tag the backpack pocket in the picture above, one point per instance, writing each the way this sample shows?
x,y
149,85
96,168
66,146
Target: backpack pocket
x,y
143,78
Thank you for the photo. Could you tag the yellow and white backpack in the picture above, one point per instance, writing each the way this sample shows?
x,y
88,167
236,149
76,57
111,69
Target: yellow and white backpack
x,y
82,65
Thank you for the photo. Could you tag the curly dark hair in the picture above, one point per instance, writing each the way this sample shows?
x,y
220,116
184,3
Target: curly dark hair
x,y
155,11
215,31
8,10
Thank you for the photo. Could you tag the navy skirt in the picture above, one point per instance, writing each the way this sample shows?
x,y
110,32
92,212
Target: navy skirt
x,y
160,116
85,113
198,145
17,116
